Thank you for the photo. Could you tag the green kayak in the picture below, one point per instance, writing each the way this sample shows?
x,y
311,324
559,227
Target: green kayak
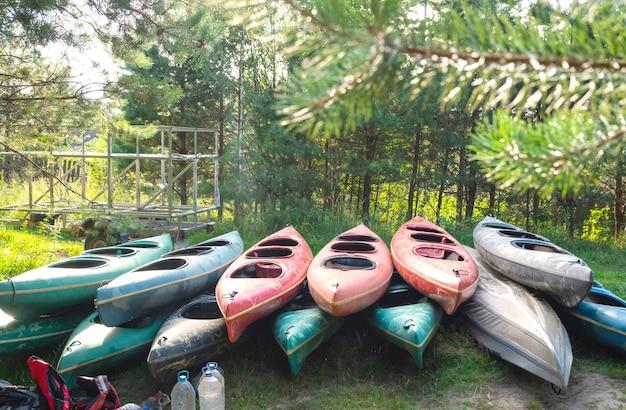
x,y
301,328
74,281
407,319
94,347
18,336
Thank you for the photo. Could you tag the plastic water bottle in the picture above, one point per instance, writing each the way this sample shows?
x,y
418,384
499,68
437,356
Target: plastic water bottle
x,y
211,391
183,394
218,372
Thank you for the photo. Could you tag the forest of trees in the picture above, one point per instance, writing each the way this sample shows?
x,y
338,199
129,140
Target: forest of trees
x,y
354,107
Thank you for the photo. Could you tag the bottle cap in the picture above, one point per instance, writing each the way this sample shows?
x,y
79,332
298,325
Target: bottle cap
x,y
212,365
183,376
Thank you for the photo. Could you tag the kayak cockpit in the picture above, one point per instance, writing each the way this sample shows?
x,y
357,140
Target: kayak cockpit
x,y
432,238
352,247
80,263
259,270
112,251
194,251
202,311
270,252
346,263
164,264
537,246
279,242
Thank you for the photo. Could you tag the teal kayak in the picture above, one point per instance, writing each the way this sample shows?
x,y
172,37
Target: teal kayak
x,y
407,319
176,277
74,281
20,336
94,347
301,328
600,316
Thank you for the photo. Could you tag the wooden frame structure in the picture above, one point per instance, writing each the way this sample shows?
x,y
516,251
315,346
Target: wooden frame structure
x,y
160,211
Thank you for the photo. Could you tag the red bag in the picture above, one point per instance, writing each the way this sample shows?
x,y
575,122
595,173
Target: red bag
x,y
100,393
50,383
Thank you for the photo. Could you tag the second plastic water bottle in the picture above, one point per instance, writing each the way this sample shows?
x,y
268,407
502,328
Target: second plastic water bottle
x,y
211,391
183,394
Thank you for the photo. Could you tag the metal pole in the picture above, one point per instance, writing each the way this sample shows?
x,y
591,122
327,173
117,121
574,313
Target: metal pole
x,y
194,183
110,171
83,172
137,175
170,191
162,165
30,186
51,183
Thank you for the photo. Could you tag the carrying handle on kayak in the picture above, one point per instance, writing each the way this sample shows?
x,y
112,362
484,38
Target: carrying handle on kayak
x,y
408,323
73,344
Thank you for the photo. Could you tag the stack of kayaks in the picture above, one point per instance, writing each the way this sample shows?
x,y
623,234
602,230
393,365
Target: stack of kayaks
x,y
302,327
434,263
600,316
519,327
73,281
19,335
351,272
533,261
193,335
94,347
177,276
406,319
263,279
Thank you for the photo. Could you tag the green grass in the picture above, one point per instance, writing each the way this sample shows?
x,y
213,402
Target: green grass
x,y
356,369
22,250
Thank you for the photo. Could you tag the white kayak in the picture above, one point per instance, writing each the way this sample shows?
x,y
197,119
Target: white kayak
x,y
533,261
520,327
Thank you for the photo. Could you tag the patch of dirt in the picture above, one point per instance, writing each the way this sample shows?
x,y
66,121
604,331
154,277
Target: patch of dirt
x,y
585,391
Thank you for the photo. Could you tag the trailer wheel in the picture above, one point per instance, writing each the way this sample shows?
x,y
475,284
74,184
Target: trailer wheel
x,y
98,241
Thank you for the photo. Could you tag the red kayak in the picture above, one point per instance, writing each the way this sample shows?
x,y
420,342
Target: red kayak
x,y
262,280
434,263
351,272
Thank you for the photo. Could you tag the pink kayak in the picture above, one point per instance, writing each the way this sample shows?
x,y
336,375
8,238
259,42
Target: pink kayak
x,y
351,272
263,279
434,263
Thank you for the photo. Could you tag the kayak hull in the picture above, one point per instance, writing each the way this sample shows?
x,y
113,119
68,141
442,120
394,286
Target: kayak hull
x,y
434,262
262,280
519,327
301,329
74,281
176,276
411,324
601,316
533,261
191,336
350,273
27,336
93,347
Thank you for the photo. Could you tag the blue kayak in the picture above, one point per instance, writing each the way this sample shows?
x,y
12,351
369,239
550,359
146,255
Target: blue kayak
x,y
175,277
601,316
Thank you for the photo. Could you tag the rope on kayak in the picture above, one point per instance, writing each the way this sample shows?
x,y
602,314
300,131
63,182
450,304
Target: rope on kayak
x,y
554,389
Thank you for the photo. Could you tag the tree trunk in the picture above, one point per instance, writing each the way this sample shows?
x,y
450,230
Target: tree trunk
x,y
618,206
442,185
238,198
414,170
370,154
327,185
535,209
527,211
470,191
220,147
460,186
492,199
